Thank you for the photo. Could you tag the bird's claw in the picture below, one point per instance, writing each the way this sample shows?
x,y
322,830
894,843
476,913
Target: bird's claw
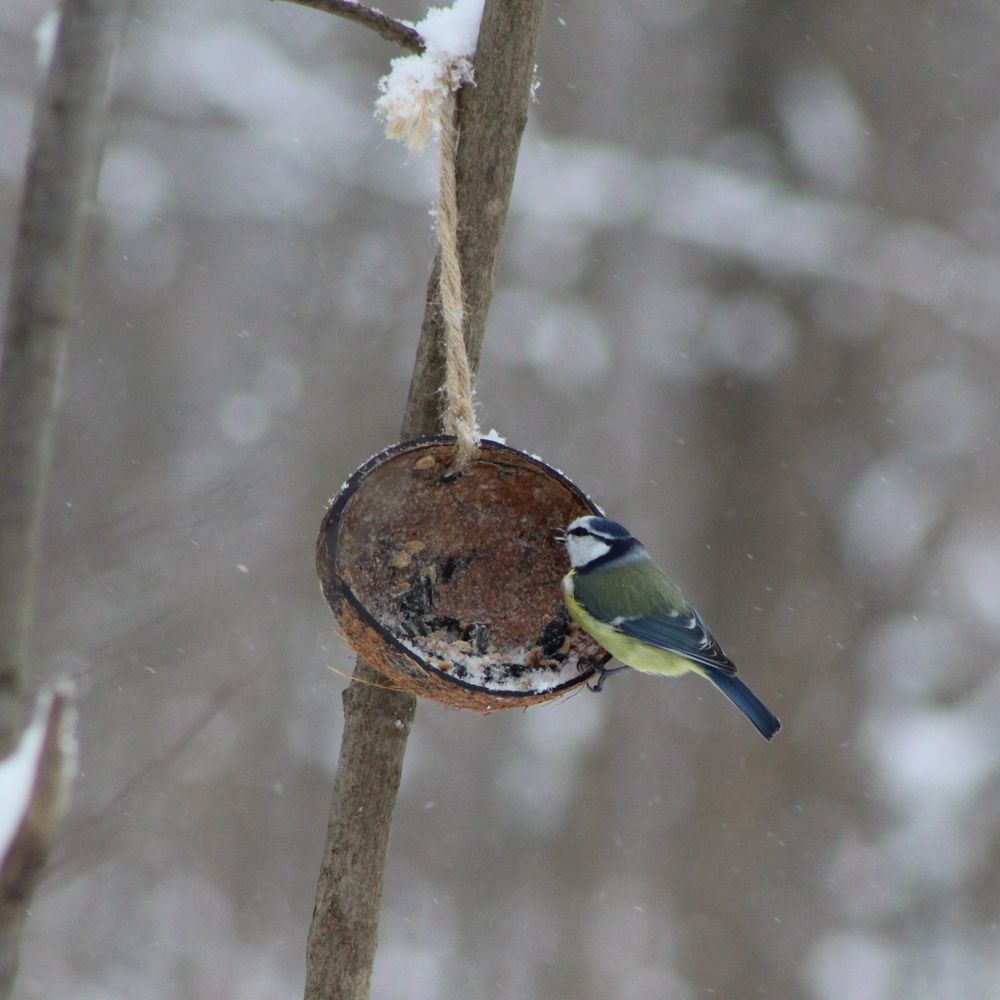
x,y
602,675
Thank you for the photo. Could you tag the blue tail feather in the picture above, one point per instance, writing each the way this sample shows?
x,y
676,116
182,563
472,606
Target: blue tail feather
x,y
747,702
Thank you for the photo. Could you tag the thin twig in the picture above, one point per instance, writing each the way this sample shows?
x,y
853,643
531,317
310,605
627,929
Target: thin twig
x,y
388,27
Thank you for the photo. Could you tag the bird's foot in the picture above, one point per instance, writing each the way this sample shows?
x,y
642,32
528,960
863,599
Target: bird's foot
x,y
603,673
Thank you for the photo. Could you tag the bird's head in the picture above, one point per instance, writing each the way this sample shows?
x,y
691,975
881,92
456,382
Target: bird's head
x,y
596,540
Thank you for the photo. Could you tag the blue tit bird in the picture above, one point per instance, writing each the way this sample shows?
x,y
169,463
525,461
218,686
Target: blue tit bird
x,y
615,592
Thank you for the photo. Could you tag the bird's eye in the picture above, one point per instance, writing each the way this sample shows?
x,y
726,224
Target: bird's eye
x,y
578,532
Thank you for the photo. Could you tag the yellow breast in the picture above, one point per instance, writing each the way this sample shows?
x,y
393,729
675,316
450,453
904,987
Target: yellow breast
x,y
633,652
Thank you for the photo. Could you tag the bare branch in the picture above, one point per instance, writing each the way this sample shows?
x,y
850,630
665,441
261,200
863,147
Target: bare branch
x,y
491,119
47,778
377,721
388,27
66,143
344,933
59,191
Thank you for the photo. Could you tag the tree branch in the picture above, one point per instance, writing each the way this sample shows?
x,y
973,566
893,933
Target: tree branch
x,y
59,191
342,939
45,780
59,188
389,28
492,115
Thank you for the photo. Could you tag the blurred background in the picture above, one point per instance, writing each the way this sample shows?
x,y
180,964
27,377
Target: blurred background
x,y
749,300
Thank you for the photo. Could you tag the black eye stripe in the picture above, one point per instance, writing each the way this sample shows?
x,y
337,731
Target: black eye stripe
x,y
578,532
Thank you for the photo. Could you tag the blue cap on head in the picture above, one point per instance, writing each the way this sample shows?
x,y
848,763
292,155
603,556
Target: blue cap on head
x,y
612,529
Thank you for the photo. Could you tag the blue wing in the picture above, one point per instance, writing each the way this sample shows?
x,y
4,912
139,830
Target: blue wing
x,y
686,634
638,601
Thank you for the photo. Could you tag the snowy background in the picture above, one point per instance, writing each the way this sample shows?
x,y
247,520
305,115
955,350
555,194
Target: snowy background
x,y
749,300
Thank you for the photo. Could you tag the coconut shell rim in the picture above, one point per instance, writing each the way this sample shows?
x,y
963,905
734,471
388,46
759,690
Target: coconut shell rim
x,y
332,519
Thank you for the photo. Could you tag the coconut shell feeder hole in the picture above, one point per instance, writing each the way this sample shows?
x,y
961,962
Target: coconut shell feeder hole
x,y
449,583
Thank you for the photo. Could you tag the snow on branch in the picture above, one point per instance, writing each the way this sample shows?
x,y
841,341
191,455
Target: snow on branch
x,y
416,85
34,788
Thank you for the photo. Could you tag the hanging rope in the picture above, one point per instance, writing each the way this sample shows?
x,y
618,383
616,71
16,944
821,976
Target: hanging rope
x,y
459,412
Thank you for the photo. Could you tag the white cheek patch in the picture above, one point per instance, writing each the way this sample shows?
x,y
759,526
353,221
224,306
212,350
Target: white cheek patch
x,y
585,549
